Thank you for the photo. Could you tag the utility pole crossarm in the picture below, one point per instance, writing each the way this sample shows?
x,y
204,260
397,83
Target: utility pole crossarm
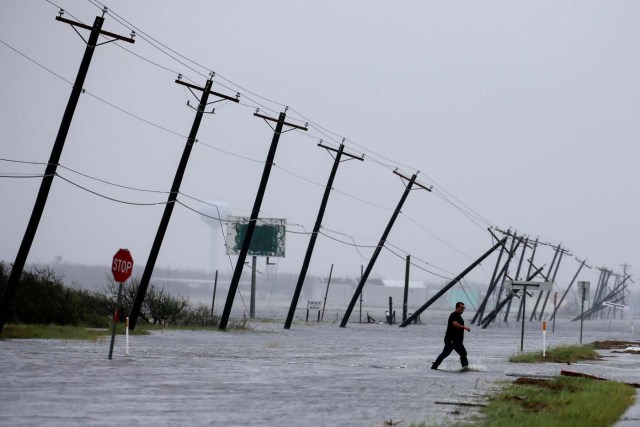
x,y
416,183
262,116
361,158
90,28
220,95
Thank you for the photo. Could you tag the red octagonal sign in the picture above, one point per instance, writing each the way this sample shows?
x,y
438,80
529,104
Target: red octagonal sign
x,y
122,265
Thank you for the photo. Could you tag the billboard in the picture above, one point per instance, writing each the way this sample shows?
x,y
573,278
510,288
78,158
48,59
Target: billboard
x,y
268,237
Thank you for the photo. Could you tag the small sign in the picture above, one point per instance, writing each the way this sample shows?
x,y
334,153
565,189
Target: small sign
x,y
314,305
584,289
528,284
615,305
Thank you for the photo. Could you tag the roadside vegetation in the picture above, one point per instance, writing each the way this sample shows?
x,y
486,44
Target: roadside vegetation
x,y
44,308
561,401
559,354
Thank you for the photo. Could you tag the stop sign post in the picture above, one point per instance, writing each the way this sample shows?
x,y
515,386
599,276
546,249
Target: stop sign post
x,y
121,267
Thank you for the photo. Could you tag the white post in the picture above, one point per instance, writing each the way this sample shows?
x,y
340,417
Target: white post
x,y
544,339
631,327
126,334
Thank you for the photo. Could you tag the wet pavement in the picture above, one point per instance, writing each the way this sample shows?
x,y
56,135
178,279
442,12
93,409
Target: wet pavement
x,y
313,374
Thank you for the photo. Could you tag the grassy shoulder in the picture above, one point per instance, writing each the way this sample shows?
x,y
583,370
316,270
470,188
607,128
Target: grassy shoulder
x,y
561,401
559,354
59,332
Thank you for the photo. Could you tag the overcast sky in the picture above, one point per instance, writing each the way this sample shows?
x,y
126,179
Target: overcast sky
x,y
520,114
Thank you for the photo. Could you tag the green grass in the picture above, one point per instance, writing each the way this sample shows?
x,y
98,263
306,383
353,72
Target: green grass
x,y
559,354
562,401
57,332
51,332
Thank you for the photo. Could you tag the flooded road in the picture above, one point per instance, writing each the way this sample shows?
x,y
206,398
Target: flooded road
x,y
313,374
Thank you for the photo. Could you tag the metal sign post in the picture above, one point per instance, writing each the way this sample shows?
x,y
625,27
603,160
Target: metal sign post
x,y
514,285
584,286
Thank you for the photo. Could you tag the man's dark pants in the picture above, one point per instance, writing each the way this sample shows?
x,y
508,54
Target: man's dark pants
x,y
449,346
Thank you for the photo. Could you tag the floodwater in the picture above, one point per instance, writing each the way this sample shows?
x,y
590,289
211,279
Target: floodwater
x,y
311,375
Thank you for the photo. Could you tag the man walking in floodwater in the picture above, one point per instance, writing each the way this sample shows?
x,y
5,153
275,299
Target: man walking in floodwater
x,y
453,338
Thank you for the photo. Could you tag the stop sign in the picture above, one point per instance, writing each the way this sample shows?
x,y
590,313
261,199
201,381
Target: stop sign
x,y
122,265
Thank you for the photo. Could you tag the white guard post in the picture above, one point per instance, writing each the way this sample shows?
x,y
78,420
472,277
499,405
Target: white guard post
x,y
126,332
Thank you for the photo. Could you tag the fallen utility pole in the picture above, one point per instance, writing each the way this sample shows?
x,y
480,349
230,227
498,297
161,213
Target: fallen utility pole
x,y
603,288
316,228
494,313
609,297
251,226
493,278
506,271
383,239
54,158
173,194
452,283
596,308
503,271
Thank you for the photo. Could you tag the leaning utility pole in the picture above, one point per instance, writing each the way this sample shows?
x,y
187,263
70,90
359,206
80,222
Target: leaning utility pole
x,y
54,158
553,280
522,300
493,277
515,242
173,195
237,272
516,276
383,239
316,228
406,288
582,264
452,283
611,296
546,278
492,315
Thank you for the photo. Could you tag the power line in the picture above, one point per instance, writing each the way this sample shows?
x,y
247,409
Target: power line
x,y
413,257
323,130
417,266
435,236
465,213
36,62
107,197
468,213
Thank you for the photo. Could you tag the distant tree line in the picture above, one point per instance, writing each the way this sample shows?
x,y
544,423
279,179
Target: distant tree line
x,y
42,298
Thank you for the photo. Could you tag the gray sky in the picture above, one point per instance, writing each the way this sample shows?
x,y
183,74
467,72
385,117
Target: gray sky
x,y
521,114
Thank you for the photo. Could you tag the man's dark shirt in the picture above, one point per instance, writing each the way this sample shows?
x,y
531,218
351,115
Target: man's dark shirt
x,y
453,333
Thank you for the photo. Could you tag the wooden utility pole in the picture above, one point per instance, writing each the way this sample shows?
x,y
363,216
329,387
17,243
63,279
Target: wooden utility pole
x,y
383,239
54,158
173,195
316,228
242,256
